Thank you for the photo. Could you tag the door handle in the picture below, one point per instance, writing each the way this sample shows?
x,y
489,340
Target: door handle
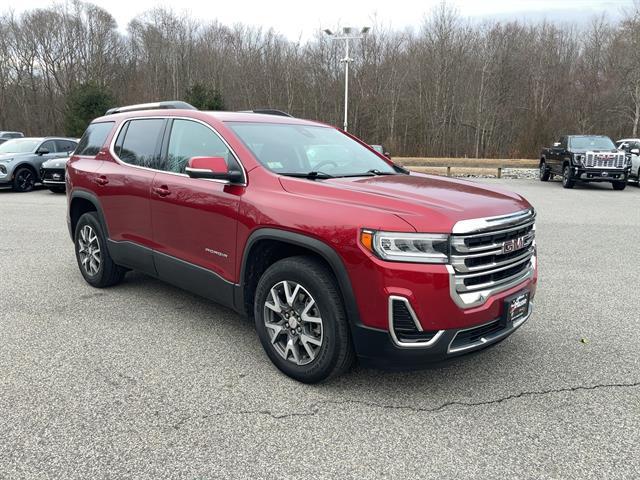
x,y
162,191
101,180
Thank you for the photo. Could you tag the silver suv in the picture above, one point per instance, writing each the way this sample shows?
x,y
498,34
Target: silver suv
x,y
4,136
21,159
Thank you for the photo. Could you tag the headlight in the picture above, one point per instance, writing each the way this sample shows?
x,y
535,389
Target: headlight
x,y
578,159
407,247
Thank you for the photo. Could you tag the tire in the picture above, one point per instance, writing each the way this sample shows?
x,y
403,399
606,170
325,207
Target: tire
x,y
57,189
24,179
316,290
638,178
619,185
97,267
567,177
544,172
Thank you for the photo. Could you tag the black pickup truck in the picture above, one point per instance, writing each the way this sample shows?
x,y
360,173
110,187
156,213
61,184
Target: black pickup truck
x,y
585,158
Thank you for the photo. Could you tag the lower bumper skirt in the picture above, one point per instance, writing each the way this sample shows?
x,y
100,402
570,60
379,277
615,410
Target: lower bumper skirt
x,y
375,348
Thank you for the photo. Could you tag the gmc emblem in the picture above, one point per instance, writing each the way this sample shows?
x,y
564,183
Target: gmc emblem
x,y
513,245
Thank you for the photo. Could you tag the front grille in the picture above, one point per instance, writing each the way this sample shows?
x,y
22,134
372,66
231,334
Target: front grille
x,y
55,174
605,160
496,254
404,326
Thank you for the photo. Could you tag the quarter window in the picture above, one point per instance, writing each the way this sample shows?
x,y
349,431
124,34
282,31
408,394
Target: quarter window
x,y
94,137
192,139
137,143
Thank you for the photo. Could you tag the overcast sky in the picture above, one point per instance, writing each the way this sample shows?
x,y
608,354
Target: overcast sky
x,y
300,18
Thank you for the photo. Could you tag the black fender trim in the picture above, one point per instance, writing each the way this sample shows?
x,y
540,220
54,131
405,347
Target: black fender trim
x,y
91,197
315,245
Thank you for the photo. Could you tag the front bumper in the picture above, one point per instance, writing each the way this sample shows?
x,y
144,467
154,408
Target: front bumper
x,y
375,348
600,174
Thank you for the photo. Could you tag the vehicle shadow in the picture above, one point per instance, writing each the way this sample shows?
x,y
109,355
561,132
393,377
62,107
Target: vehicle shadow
x,y
483,371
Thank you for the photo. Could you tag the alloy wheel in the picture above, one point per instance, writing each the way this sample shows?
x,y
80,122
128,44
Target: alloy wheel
x,y
89,250
293,322
25,180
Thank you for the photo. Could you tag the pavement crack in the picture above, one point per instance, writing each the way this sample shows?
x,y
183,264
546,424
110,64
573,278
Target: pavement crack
x,y
316,407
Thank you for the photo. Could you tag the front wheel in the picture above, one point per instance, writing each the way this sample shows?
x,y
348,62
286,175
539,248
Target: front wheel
x,y
567,177
619,185
24,180
544,172
94,261
301,320
638,178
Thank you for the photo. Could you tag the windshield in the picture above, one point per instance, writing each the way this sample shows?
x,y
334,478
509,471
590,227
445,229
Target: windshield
x,y
19,146
300,149
591,143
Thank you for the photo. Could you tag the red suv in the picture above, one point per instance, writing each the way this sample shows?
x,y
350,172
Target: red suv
x,y
334,251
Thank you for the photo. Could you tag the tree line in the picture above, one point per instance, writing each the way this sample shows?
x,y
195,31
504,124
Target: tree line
x,y
447,88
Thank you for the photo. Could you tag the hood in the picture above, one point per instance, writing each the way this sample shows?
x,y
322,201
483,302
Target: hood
x,y
429,203
55,163
591,150
7,157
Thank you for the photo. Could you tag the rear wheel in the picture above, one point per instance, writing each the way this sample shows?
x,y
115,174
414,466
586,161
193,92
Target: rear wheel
x,y
301,320
94,261
567,177
619,185
544,172
24,180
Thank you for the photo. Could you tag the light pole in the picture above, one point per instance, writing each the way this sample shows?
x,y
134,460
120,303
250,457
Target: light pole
x,y
348,33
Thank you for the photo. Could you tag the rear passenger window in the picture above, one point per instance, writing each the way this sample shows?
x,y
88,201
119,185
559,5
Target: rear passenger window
x,y
66,145
192,139
94,137
137,142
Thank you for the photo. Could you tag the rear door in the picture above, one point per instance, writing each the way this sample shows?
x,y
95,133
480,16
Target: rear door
x,y
124,186
194,220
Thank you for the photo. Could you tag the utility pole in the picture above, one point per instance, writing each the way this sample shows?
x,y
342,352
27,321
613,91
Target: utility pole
x,y
348,33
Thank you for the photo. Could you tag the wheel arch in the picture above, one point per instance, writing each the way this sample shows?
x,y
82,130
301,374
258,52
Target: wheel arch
x,y
80,203
265,246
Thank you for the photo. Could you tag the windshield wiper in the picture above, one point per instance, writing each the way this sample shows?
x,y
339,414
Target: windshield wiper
x,y
311,175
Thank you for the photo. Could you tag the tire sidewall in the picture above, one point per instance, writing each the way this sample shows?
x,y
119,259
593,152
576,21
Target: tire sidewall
x,y
331,311
91,219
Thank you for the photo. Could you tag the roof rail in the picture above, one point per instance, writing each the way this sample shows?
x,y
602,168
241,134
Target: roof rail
x,y
268,111
171,105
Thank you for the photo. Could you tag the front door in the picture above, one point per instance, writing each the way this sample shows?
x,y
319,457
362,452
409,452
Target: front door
x,y
194,220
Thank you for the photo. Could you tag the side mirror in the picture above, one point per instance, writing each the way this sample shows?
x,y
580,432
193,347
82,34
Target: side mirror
x,y
635,151
556,144
213,168
42,151
387,154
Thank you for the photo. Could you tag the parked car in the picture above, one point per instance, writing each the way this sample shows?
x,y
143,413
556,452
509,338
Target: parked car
x,y
584,158
631,147
52,174
21,159
334,257
4,136
381,150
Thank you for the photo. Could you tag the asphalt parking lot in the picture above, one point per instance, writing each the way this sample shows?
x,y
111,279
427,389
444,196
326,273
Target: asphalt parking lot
x,y
146,381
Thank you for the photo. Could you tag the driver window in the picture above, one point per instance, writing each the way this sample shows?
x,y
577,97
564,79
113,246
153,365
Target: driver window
x,y
48,145
192,139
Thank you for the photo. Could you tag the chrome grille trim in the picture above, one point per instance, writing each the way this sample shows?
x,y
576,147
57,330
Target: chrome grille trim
x,y
604,160
472,281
